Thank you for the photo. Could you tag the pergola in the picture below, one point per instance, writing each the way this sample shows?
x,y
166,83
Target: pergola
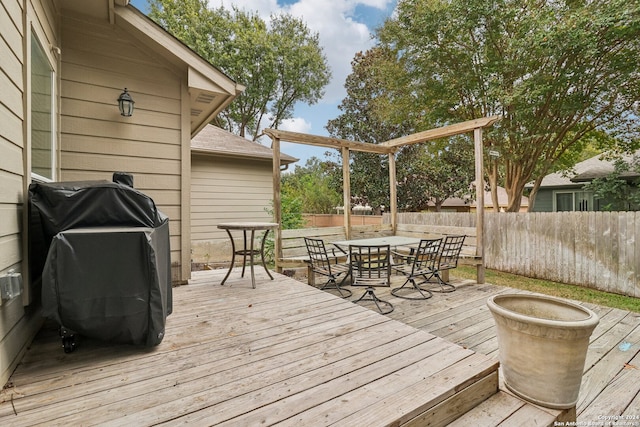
x,y
390,148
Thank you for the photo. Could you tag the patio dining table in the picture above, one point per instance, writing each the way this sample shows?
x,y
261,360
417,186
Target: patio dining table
x,y
393,241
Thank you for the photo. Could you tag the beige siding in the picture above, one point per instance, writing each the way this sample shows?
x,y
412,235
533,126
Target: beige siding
x,y
17,326
97,141
223,190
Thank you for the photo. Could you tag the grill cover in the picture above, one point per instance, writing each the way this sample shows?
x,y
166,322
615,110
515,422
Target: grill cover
x,y
109,283
102,250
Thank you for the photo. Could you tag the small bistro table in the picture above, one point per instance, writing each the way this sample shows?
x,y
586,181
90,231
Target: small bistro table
x,y
250,251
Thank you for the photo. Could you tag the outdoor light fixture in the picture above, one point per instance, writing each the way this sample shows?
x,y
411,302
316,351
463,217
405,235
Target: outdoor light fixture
x,y
125,103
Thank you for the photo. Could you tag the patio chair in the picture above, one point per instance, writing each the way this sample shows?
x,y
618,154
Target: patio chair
x,y
371,267
323,264
418,266
447,260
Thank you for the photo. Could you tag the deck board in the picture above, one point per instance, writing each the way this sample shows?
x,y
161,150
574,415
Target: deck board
x,y
611,376
280,353
286,353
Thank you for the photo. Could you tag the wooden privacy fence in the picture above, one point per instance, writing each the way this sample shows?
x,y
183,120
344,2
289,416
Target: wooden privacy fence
x,y
599,250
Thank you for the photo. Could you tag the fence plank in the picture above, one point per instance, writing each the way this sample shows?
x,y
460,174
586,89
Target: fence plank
x,y
626,247
593,249
636,262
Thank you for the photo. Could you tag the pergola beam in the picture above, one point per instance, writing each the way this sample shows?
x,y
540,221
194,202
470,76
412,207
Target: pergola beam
x,y
328,142
389,148
445,131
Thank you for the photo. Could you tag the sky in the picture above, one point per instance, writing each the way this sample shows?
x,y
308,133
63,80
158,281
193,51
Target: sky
x,y
345,27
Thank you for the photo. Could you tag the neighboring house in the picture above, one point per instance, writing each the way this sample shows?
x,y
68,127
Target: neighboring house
x,y
456,204
563,191
231,180
64,64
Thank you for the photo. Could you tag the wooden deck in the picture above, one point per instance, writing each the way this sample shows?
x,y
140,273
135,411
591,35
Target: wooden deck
x,y
286,353
611,381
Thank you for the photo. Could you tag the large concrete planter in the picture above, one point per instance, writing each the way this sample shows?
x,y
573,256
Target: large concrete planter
x,y
542,345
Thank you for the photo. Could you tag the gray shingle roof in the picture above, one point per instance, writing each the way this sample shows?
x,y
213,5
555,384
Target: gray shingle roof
x,y
214,140
584,171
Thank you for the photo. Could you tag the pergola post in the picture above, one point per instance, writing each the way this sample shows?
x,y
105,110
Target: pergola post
x,y
390,148
277,201
478,153
393,192
346,193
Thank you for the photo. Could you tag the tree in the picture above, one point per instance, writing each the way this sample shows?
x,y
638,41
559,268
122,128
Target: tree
x,y
434,173
425,173
314,186
359,122
280,64
555,71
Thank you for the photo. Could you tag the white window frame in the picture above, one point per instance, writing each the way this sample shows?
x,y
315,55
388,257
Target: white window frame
x,y
573,193
555,199
34,34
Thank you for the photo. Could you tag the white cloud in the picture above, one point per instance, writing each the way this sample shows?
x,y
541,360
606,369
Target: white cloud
x,y
341,36
296,124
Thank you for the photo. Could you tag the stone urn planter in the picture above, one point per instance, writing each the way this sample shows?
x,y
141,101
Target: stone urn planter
x,y
542,345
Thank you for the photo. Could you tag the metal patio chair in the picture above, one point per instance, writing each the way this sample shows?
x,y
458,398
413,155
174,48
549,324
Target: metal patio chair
x,y
447,260
371,267
328,266
418,266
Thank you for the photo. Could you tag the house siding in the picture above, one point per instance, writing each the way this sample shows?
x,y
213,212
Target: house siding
x,y
225,189
544,201
97,140
19,322
96,49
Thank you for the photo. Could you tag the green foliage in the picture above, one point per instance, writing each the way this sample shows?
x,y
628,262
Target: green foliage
x,y
425,173
360,121
291,218
621,189
314,186
554,71
369,179
292,210
432,174
280,64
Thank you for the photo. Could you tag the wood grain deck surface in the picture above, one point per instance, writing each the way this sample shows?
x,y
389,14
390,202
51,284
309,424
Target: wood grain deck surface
x,y
611,382
288,354
282,353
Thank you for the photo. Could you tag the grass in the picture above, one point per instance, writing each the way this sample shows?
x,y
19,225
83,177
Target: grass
x,y
546,287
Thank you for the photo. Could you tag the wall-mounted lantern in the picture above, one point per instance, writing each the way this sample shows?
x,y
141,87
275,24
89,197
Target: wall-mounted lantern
x,y
125,103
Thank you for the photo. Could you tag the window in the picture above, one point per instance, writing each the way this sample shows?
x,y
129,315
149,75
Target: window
x,y
42,113
566,201
584,201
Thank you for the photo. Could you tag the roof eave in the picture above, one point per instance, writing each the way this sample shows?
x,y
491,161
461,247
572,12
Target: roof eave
x,y
269,158
205,81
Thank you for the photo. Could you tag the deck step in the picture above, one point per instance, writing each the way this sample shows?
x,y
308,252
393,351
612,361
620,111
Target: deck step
x,y
461,398
503,408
